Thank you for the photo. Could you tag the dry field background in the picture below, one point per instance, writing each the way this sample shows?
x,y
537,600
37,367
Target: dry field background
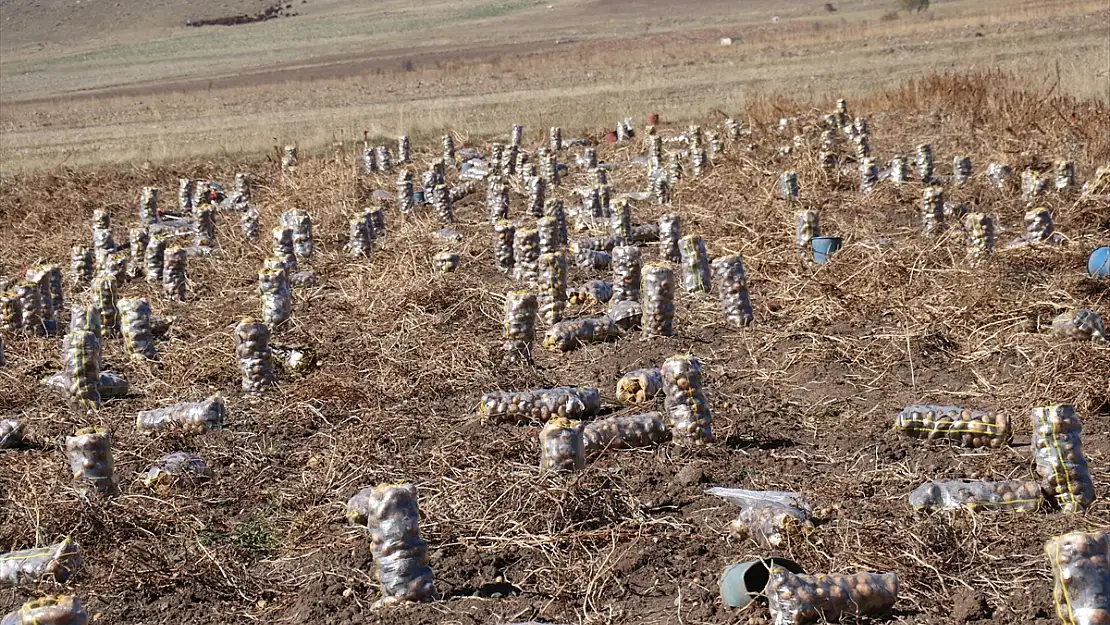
x,y
804,399
98,82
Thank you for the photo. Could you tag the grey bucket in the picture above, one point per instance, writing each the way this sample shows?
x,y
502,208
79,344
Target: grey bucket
x,y
742,583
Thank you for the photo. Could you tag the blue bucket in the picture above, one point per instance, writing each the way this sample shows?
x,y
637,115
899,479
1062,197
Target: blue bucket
x,y
418,197
1098,265
824,248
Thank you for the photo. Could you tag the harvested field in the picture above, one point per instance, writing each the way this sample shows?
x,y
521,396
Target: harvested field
x,y
804,399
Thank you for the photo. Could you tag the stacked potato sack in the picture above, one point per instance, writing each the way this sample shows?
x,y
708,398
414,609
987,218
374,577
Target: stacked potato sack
x,y
553,287
138,336
1081,570
174,278
154,257
277,296
1060,462
658,300
732,285
521,308
392,515
90,458
252,346
561,445
687,408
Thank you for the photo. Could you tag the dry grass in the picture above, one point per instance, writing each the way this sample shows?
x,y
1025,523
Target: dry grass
x,y
803,399
486,84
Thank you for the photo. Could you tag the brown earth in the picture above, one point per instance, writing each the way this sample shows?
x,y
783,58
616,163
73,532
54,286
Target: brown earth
x,y
802,400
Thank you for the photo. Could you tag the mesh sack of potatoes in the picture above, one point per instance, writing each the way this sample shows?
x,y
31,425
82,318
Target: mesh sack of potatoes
x,y
109,385
59,610
300,222
804,599
686,406
283,246
105,296
557,211
645,233
539,405
205,224
57,562
11,433
139,239
135,316
179,467
392,514
977,496
770,518
526,255
1080,325
567,335
1060,462
598,244
732,285
1081,574
503,233
626,273
552,287
562,446
591,292
627,314
621,222
189,418
276,295
360,239
154,258
11,312
547,231
81,351
968,428
639,386
670,231
657,293
624,432
593,260
174,274
521,308
30,307
90,459
252,347
81,264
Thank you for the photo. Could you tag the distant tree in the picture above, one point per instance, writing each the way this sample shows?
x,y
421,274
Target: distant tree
x,y
914,5
829,8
